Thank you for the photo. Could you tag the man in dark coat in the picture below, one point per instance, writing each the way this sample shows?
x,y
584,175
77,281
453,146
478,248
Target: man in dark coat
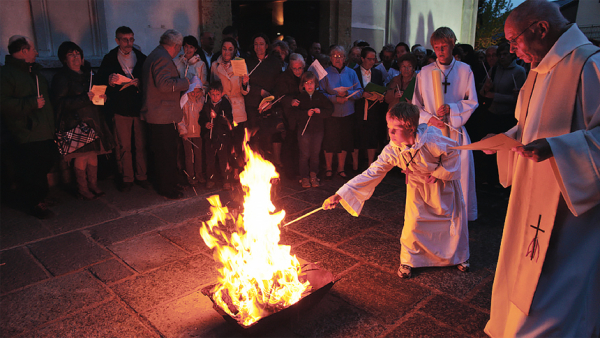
x,y
28,116
125,102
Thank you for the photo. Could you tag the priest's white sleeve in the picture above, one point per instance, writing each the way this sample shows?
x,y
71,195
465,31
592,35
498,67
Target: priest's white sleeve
x,y
359,189
576,156
461,111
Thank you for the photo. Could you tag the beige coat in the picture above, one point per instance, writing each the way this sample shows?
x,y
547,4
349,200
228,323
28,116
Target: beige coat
x,y
232,87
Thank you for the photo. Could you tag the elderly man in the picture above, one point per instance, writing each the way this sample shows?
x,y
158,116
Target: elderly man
x,y
28,116
125,102
490,57
547,280
342,87
162,89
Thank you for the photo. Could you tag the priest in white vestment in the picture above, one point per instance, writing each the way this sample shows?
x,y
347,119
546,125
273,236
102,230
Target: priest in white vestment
x,y
435,229
547,281
460,98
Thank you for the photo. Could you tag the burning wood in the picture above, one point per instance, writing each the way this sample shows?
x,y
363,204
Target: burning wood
x,y
257,276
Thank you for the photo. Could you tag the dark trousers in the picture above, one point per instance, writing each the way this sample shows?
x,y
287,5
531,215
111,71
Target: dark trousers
x,y
163,143
34,161
222,151
310,149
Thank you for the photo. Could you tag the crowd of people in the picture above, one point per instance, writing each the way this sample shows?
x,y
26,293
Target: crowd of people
x,y
538,87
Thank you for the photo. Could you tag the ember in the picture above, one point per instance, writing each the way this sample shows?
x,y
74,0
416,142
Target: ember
x,y
258,276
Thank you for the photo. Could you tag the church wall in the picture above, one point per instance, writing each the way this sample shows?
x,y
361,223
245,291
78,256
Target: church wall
x,y
369,22
15,19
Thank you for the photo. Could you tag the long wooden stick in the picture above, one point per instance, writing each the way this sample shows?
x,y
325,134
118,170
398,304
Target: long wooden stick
x,y
449,126
303,216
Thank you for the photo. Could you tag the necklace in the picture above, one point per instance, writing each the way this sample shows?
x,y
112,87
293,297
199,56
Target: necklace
x,y
445,83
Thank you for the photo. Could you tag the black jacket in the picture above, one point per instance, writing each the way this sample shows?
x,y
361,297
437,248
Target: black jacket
x,y
318,100
126,102
222,124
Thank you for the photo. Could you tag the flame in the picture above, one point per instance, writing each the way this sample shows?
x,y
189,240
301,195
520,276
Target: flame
x,y
257,275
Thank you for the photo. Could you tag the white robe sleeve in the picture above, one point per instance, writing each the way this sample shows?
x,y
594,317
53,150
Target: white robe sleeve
x,y
576,156
359,189
449,168
461,111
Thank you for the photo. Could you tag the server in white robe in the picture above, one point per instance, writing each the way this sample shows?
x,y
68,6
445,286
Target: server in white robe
x,y
547,281
460,97
435,229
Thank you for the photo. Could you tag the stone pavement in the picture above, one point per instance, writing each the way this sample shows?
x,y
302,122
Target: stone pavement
x,y
133,264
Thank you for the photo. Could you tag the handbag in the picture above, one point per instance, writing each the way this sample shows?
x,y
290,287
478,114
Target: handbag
x,y
71,140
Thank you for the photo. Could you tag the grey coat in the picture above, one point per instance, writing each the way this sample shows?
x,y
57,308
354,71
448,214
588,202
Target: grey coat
x,y
162,88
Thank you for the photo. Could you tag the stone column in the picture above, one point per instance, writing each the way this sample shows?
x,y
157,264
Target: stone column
x,y
335,26
214,16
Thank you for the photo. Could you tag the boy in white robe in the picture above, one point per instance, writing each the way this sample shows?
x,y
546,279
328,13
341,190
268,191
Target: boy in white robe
x,y
460,98
435,229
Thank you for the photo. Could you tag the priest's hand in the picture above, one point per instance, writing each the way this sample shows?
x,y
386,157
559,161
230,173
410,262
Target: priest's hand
x,y
488,152
436,123
443,110
537,151
331,202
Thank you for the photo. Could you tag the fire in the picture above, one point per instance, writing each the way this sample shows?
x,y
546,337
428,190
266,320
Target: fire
x,y
257,275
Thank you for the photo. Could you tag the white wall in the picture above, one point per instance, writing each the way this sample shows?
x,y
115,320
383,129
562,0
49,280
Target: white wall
x,y
15,19
425,16
369,22
149,19
588,12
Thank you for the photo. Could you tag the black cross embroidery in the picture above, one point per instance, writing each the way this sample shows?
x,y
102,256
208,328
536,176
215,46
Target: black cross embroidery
x,y
534,246
446,84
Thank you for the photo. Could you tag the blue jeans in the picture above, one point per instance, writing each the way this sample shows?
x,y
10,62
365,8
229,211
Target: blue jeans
x,y
310,149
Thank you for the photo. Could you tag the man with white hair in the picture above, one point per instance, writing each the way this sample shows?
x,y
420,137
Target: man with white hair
x,y
547,280
162,89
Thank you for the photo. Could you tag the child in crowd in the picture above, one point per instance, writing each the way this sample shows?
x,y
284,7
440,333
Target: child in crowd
x,y
313,108
435,229
217,118
189,130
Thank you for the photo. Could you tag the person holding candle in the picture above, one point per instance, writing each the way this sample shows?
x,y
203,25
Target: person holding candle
x,y
456,102
72,98
28,116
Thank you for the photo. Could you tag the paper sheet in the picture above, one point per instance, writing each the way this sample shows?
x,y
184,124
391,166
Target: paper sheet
x,y
122,79
98,91
496,142
319,71
239,67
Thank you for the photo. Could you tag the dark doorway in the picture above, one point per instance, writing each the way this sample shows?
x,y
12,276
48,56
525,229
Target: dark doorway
x,y
300,20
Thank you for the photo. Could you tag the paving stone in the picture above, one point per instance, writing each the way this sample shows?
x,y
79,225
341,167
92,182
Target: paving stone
x,y
483,297
292,207
124,228
419,325
18,228
147,252
167,282
313,196
377,248
133,201
456,314
333,226
386,188
383,210
183,210
52,299
290,237
382,294
333,317
106,320
392,228
78,214
68,252
450,280
397,196
327,258
187,236
110,271
188,316
18,269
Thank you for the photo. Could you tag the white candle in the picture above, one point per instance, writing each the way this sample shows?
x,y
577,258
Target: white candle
x,y
37,84
90,81
436,77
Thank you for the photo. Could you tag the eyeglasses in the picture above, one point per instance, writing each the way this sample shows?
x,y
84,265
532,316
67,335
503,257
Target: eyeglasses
x,y
513,41
132,40
338,56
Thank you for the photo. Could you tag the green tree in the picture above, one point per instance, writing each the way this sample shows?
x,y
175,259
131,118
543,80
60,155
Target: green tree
x,y
491,15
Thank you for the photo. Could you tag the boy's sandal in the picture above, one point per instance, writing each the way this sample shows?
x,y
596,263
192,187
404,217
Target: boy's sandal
x,y
328,174
342,174
464,266
404,271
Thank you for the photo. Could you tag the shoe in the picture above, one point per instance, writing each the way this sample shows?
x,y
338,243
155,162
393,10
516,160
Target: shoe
x,y
227,186
210,184
82,186
92,177
305,183
464,266
328,175
173,195
41,211
125,186
144,184
404,271
342,174
314,181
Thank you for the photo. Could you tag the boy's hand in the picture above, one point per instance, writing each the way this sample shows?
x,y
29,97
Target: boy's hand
x,y
208,125
431,179
213,114
331,202
443,110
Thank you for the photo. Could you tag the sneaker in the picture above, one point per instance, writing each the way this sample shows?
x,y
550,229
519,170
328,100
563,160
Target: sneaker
x,y
404,271
305,183
41,211
464,266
